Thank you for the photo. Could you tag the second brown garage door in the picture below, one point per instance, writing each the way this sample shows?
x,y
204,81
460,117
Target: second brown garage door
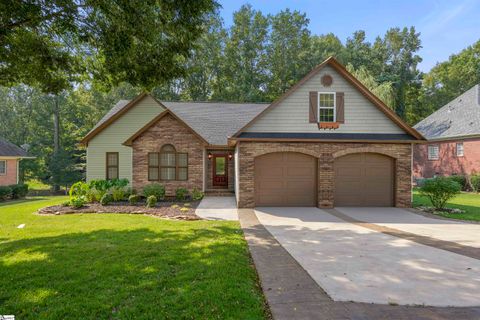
x,y
285,180
364,179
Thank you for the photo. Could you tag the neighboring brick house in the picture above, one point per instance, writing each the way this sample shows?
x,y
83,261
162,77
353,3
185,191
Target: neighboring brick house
x,y
453,134
10,156
326,142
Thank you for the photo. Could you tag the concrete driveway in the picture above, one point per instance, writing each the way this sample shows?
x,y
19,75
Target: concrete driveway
x,y
354,262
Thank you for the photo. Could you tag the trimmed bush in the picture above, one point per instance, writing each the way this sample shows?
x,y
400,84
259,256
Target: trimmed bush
x,y
461,180
181,194
78,189
78,202
19,190
439,190
106,199
118,193
151,201
94,195
475,180
134,199
197,194
154,189
5,193
105,185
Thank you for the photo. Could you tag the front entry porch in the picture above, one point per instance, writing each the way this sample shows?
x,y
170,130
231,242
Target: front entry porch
x,y
219,172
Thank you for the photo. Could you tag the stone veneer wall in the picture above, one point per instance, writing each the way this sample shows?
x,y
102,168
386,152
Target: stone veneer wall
x,y
168,131
230,165
326,154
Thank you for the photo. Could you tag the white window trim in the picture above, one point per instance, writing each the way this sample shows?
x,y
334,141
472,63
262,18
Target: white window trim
x,y
4,173
327,108
456,149
437,157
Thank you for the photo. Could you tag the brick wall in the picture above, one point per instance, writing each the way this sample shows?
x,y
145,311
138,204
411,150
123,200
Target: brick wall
x,y
326,154
448,163
11,175
230,165
168,131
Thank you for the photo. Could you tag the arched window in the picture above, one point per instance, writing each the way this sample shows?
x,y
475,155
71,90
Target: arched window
x,y
168,164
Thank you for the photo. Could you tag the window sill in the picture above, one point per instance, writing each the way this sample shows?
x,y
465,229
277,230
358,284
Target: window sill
x,y
328,125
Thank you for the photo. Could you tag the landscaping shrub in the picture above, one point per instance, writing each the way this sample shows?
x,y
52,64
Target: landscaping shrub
x,y
475,180
105,185
439,190
118,193
78,189
151,201
94,195
106,199
154,189
181,194
19,190
461,180
78,202
133,199
197,194
5,193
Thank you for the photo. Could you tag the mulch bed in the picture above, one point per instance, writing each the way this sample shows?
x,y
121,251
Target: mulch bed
x,y
169,210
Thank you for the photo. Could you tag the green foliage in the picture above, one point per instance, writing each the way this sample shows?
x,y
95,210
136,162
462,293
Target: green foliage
x,y
66,203
475,180
94,195
133,199
105,185
151,201
181,194
118,193
461,180
5,193
106,199
154,189
19,190
197,194
439,190
78,189
78,202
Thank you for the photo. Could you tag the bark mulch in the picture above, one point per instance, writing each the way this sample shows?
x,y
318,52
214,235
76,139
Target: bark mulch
x,y
169,210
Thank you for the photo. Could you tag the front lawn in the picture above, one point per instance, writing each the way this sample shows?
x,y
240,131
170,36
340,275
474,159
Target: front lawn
x,y
112,266
470,202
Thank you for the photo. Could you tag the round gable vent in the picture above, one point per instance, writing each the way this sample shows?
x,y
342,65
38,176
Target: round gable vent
x,y
327,80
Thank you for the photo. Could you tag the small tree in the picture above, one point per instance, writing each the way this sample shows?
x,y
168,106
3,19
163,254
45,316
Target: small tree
x,y
439,190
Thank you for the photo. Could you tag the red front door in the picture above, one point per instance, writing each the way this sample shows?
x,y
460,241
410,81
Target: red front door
x,y
220,170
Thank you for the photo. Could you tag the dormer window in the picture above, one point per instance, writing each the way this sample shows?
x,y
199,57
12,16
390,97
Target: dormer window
x,y
326,107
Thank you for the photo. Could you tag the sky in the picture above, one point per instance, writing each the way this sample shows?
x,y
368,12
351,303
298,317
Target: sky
x,y
446,27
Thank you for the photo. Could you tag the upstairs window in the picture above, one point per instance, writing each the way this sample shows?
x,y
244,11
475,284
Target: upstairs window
x,y
433,152
326,107
3,167
112,165
460,149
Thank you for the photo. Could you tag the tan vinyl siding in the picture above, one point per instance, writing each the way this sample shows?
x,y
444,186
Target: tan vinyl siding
x,y
292,114
112,137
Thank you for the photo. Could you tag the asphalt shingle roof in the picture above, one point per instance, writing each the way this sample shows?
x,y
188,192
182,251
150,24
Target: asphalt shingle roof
x,y
214,121
8,149
459,117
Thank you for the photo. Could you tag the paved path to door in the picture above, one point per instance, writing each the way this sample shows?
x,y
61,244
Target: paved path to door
x,y
217,208
292,293
355,263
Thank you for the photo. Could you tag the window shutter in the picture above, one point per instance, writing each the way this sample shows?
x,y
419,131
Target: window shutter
x,y
312,117
340,107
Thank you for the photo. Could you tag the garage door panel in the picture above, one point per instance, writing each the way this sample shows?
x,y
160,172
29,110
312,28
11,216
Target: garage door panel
x,y
285,179
364,179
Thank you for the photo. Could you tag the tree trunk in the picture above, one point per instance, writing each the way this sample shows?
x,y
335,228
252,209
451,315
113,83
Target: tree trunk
x,y
56,136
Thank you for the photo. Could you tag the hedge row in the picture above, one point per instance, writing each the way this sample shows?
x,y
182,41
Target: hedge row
x,y
14,191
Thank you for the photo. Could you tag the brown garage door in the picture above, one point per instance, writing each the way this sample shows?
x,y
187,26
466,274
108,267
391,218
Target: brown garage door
x,y
285,179
364,179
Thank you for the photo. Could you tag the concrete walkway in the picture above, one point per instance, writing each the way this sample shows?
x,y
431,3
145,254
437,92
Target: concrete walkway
x,y
217,208
467,234
293,294
354,263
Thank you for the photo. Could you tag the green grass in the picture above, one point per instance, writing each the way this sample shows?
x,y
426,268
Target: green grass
x,y
37,185
470,202
112,266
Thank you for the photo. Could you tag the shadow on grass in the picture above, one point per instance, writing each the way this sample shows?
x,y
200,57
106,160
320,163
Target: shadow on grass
x,y
18,201
142,274
472,212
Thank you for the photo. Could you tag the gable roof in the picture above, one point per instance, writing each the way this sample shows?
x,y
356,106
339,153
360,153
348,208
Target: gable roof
x,y
213,122
332,62
8,149
458,118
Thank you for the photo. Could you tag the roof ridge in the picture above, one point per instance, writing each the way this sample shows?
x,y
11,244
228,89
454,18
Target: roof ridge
x,y
219,102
